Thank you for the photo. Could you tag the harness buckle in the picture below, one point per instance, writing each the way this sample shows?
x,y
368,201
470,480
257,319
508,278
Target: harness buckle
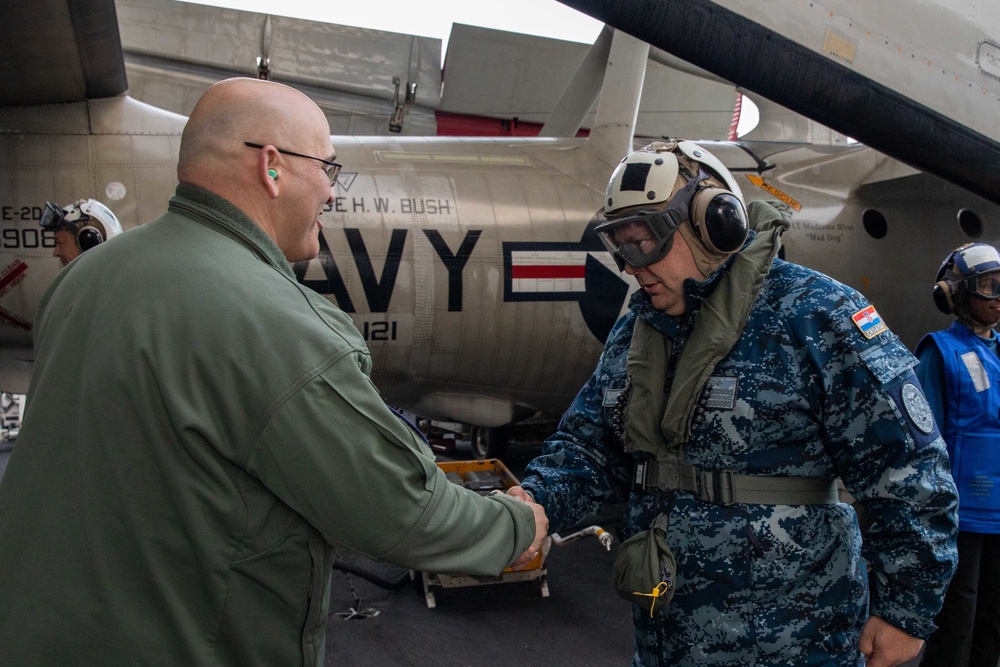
x,y
723,488
717,487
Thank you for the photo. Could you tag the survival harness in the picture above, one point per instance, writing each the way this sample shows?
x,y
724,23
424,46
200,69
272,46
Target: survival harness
x,y
721,321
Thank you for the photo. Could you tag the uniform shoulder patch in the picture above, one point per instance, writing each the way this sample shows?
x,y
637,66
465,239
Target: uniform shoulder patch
x,y
869,322
918,408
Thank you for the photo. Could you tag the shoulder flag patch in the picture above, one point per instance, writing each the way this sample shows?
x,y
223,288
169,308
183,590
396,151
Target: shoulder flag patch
x,y
869,322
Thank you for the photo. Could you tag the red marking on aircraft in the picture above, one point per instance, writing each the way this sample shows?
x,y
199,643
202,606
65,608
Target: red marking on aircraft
x,y
11,276
550,271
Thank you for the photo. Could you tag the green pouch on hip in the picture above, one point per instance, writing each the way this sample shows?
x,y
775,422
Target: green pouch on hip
x,y
644,570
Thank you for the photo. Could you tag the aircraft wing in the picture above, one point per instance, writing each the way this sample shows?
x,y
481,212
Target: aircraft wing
x,y
863,69
72,46
174,50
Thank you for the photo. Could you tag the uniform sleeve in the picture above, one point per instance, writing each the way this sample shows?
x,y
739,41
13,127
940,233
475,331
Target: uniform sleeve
x,y
339,457
583,465
886,445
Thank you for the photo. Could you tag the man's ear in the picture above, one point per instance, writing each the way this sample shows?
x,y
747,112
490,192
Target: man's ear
x,y
268,171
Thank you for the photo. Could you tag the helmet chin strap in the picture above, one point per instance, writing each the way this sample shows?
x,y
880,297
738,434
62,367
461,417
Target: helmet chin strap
x,y
706,261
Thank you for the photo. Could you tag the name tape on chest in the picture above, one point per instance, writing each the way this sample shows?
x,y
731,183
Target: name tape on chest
x,y
720,393
611,397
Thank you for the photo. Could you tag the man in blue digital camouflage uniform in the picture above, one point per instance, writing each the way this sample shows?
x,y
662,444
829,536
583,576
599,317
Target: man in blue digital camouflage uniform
x,y
726,404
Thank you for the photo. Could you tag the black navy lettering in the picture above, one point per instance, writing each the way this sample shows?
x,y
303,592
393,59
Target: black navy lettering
x,y
454,263
377,291
379,331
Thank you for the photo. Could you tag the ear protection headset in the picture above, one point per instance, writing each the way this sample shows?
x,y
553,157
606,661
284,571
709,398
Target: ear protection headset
x,y
942,292
959,270
89,237
90,221
665,184
718,218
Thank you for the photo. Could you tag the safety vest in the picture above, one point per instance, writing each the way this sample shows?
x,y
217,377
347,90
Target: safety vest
x,y
972,425
720,323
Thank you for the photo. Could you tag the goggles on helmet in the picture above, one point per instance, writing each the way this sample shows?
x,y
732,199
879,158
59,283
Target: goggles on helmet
x,y
983,285
54,219
646,236
638,239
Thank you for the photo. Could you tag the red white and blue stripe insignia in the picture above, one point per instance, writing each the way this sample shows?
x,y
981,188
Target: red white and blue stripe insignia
x,y
869,322
542,271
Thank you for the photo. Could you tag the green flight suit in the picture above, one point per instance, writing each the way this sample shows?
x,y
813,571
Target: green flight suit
x,y
200,432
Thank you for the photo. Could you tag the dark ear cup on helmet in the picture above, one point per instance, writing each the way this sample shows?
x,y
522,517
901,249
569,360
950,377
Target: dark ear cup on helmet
x,y
942,297
719,220
88,237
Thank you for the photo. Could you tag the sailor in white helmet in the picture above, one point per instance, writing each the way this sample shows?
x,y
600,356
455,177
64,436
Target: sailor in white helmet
x,y
79,227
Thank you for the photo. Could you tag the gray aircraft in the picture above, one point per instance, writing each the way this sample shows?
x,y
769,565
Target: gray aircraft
x,y
470,264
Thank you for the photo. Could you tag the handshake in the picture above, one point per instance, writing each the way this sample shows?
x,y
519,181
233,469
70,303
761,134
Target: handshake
x,y
541,523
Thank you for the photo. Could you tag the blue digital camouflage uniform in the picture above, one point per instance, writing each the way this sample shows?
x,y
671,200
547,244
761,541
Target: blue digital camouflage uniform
x,y
775,584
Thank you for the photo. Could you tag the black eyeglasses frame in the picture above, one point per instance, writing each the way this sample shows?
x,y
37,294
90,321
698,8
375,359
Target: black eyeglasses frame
x,y
332,168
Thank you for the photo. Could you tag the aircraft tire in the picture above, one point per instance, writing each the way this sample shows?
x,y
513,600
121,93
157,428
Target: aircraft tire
x,y
489,443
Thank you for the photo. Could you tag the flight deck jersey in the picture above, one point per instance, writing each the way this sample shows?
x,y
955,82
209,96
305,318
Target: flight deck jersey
x,y
805,392
972,423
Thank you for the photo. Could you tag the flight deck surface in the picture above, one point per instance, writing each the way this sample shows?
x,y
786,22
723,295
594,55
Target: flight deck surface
x,y
582,622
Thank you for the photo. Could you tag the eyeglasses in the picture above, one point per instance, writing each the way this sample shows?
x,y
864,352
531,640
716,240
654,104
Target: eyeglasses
x,y
331,168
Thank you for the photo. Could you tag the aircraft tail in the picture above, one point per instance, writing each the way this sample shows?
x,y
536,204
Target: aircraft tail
x,y
614,68
618,108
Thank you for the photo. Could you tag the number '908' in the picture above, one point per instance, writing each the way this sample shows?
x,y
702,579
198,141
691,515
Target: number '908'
x,y
27,238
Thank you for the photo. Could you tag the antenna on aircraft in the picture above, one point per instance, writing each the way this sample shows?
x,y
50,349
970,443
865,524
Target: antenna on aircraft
x,y
264,60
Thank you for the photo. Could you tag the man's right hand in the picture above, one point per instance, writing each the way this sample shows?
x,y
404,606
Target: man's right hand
x,y
520,493
541,524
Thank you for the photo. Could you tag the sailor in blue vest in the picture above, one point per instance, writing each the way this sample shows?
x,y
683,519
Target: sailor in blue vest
x,y
728,401
960,372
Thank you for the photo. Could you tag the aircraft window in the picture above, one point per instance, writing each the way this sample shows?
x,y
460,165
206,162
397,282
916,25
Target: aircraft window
x,y
970,223
875,224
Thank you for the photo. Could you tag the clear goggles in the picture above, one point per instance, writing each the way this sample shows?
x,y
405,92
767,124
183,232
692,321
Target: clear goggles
x,y
983,285
54,219
639,239
645,236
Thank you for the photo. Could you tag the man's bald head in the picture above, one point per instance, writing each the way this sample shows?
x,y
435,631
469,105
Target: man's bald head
x,y
237,110
274,182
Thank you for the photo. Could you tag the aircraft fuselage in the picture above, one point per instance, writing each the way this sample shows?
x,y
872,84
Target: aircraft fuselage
x,y
470,265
